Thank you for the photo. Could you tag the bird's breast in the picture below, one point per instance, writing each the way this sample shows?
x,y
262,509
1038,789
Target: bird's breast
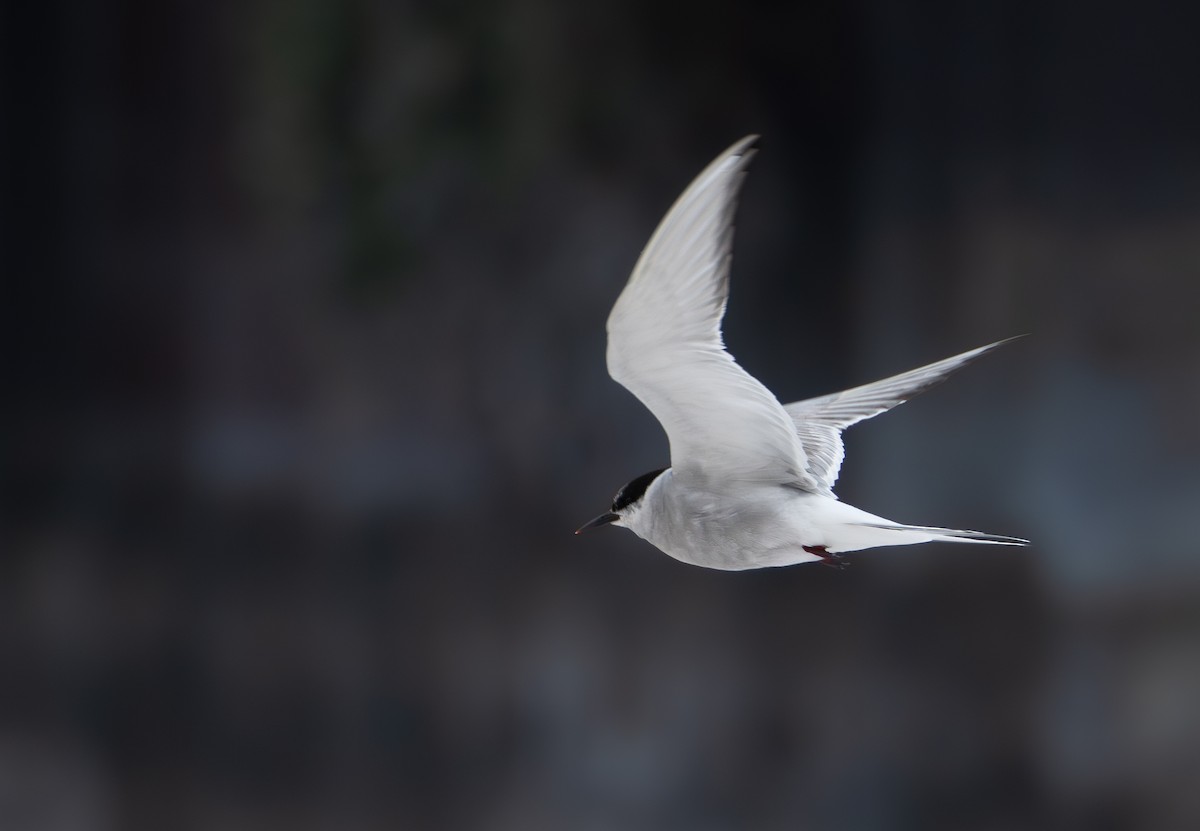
x,y
729,528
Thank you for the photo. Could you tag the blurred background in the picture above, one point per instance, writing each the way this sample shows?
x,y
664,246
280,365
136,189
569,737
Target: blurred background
x,y
305,394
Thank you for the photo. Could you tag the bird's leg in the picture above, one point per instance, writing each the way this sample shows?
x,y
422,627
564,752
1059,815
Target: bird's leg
x,y
827,559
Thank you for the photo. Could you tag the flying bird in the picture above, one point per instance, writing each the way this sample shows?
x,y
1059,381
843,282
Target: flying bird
x,y
751,480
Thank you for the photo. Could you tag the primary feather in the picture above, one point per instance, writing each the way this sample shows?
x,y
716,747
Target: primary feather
x,y
819,422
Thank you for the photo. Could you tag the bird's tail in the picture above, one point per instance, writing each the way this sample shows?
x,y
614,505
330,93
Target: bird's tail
x,y
924,533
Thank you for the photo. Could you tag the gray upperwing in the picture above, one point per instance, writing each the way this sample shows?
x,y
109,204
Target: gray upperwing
x,y
820,421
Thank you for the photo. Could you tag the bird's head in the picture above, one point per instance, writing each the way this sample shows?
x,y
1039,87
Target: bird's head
x,y
627,503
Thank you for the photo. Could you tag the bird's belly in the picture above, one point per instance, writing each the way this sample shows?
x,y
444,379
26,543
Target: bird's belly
x,y
769,529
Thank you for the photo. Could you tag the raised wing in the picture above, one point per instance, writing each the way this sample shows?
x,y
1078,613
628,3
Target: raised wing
x,y
819,422
664,343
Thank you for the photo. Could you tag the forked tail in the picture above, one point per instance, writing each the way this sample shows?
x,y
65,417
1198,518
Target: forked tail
x,y
924,533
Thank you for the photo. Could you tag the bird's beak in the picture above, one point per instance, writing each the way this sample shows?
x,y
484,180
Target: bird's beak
x,y
603,519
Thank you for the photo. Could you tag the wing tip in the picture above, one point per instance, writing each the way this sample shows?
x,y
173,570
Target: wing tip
x,y
739,153
1003,341
743,145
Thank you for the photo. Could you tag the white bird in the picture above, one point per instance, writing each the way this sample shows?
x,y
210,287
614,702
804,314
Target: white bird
x,y
751,480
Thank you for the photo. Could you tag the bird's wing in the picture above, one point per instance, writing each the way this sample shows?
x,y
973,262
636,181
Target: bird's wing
x,y
819,422
664,343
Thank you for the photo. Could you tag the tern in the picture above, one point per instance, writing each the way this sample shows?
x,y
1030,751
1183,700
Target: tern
x,y
751,480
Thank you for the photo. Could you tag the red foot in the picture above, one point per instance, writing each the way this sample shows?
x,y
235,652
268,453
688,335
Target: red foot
x,y
827,559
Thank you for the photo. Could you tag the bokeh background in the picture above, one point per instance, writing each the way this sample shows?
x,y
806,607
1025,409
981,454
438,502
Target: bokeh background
x,y
305,394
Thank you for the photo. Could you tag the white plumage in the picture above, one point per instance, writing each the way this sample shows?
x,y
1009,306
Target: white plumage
x,y
751,481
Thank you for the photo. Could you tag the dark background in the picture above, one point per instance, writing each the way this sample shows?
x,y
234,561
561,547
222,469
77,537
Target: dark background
x,y
305,394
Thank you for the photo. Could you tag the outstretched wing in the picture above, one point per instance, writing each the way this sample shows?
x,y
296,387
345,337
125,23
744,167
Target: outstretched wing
x,y
819,422
664,343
